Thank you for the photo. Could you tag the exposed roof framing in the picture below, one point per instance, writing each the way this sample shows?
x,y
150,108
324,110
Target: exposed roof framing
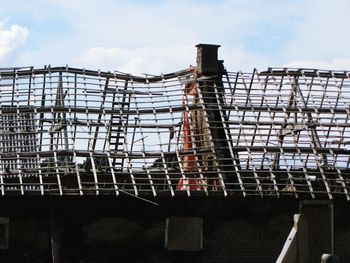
x,y
68,131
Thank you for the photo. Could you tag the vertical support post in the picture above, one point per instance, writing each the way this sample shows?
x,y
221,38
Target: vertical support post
x,y
319,217
53,235
210,71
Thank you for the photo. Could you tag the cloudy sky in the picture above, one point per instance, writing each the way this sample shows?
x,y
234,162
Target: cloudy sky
x,y
155,36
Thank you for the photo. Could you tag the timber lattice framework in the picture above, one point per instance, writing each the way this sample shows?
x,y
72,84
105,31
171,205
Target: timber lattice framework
x,y
203,131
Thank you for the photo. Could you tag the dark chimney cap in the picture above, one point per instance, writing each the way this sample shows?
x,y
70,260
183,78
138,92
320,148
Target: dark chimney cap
x,y
208,45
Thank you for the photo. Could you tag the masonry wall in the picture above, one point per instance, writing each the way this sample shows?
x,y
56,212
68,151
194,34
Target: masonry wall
x,y
130,230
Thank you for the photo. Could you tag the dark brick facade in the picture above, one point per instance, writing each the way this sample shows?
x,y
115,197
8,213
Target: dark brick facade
x,y
129,230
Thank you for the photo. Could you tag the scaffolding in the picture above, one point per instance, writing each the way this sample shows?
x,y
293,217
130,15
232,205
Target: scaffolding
x,y
69,131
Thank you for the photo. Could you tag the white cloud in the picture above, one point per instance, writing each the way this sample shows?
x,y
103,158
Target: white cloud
x,y
335,64
11,39
159,36
137,60
156,60
320,35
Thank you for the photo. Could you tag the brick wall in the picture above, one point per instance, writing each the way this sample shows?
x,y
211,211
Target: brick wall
x,y
125,230
342,231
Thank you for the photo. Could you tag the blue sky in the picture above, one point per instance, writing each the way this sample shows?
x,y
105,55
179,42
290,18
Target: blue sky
x,y
155,36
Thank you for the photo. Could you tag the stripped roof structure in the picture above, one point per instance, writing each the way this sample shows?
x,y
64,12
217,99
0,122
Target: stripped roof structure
x,y
69,131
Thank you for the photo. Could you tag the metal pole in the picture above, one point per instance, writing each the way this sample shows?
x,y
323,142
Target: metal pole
x,y
53,235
